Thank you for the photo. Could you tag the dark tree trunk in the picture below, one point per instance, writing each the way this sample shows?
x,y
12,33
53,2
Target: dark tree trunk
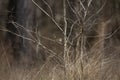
x,y
25,17
20,22
3,13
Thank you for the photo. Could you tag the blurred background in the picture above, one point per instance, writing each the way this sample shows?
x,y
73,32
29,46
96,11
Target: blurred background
x,y
77,39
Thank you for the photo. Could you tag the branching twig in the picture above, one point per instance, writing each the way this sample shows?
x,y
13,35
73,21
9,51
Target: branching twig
x,y
48,16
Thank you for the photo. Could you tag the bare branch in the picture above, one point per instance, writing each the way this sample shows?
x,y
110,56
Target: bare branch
x,y
48,16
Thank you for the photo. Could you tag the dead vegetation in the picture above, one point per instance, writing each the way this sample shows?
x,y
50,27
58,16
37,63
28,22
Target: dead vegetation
x,y
85,47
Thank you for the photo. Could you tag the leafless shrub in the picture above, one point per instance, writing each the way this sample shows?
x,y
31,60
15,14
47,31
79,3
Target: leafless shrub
x,y
74,61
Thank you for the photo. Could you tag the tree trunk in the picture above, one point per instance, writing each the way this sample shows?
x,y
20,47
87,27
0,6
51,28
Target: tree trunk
x,y
3,13
20,23
25,17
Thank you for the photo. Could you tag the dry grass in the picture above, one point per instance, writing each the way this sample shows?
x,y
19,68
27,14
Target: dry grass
x,y
93,67
59,63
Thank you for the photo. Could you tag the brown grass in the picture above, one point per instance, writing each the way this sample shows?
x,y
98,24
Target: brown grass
x,y
93,67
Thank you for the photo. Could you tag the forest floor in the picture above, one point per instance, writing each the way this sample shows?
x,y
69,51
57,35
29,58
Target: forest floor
x,y
94,68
